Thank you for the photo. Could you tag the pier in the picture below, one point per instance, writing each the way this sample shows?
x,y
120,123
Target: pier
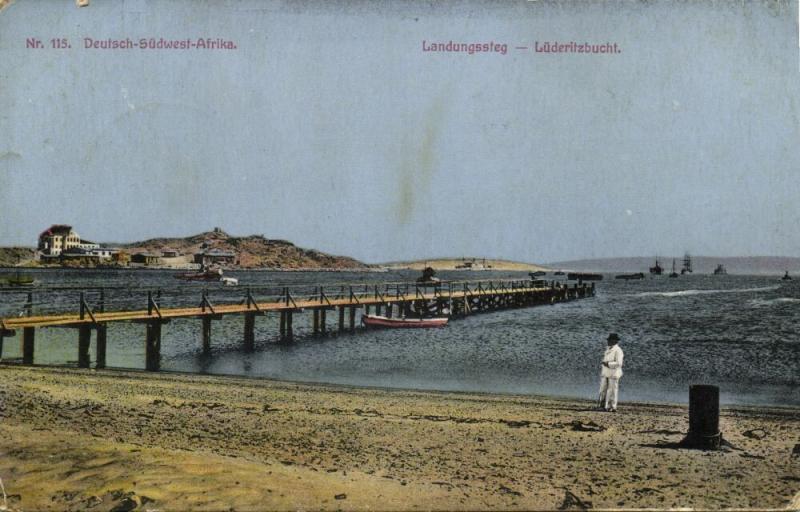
x,y
94,309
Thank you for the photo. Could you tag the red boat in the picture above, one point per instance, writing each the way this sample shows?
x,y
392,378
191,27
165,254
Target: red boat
x,y
382,321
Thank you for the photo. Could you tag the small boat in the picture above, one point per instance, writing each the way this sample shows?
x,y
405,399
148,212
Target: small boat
x,y
720,270
628,277
428,277
18,281
584,276
558,273
383,321
203,275
538,273
673,273
786,277
229,281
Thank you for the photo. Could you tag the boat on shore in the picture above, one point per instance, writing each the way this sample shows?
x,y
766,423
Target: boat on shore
x,y
720,270
407,323
786,276
630,277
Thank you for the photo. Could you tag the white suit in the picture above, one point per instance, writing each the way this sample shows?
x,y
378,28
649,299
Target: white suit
x,y
609,377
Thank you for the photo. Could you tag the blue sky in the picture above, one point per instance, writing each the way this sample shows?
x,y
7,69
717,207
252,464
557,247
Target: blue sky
x,y
328,126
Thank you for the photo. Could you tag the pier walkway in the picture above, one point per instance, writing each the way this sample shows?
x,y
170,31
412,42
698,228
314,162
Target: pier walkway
x,y
453,299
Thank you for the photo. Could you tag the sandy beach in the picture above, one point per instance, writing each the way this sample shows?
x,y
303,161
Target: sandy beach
x,y
113,440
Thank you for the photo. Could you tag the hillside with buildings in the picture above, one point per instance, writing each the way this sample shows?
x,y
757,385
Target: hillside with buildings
x,y
254,251
60,245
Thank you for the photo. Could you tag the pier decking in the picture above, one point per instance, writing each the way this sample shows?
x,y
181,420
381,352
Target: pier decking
x,y
452,299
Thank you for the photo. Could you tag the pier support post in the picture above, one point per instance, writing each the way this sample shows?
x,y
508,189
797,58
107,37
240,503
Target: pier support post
x,y
352,319
282,330
100,348
315,329
341,319
84,340
389,309
152,354
377,309
28,336
289,330
249,331
322,317
206,334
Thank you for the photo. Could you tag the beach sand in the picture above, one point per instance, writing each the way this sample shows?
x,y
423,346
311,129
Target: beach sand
x,y
95,440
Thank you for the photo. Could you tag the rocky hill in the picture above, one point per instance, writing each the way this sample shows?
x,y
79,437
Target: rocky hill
x,y
16,256
254,251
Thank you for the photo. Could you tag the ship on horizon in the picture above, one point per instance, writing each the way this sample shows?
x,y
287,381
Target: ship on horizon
x,y
656,269
687,264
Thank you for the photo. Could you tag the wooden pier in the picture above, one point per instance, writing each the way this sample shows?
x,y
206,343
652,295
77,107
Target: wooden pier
x,y
454,299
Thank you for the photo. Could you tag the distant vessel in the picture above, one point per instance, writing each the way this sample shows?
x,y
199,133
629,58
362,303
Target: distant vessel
x,y
628,277
786,276
673,273
687,264
203,275
427,277
538,273
584,276
720,270
558,273
657,269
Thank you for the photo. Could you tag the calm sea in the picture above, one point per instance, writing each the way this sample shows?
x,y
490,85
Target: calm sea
x,y
739,332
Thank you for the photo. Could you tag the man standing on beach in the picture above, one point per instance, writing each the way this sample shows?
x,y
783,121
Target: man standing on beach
x,y
610,374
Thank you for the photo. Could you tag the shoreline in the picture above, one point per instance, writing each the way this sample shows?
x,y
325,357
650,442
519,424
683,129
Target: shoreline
x,y
16,362
79,438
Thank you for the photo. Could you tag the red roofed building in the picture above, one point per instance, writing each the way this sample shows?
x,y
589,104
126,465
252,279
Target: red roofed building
x,y
57,239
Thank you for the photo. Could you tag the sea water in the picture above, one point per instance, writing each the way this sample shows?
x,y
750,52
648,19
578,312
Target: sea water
x,y
735,331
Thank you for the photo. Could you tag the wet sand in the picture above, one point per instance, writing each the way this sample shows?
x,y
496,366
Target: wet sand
x,y
95,440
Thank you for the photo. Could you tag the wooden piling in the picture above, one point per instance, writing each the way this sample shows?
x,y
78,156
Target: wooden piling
x,y
249,331
289,330
341,319
282,329
153,346
315,328
100,347
322,317
84,340
28,335
352,319
206,334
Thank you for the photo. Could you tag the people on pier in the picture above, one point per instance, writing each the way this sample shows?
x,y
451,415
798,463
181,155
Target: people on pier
x,y
610,373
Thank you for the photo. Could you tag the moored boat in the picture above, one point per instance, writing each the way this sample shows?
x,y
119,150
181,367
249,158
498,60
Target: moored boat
x,y
203,275
786,276
628,277
383,321
17,281
584,276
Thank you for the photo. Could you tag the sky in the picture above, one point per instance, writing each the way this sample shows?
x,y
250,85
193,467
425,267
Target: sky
x,y
329,126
